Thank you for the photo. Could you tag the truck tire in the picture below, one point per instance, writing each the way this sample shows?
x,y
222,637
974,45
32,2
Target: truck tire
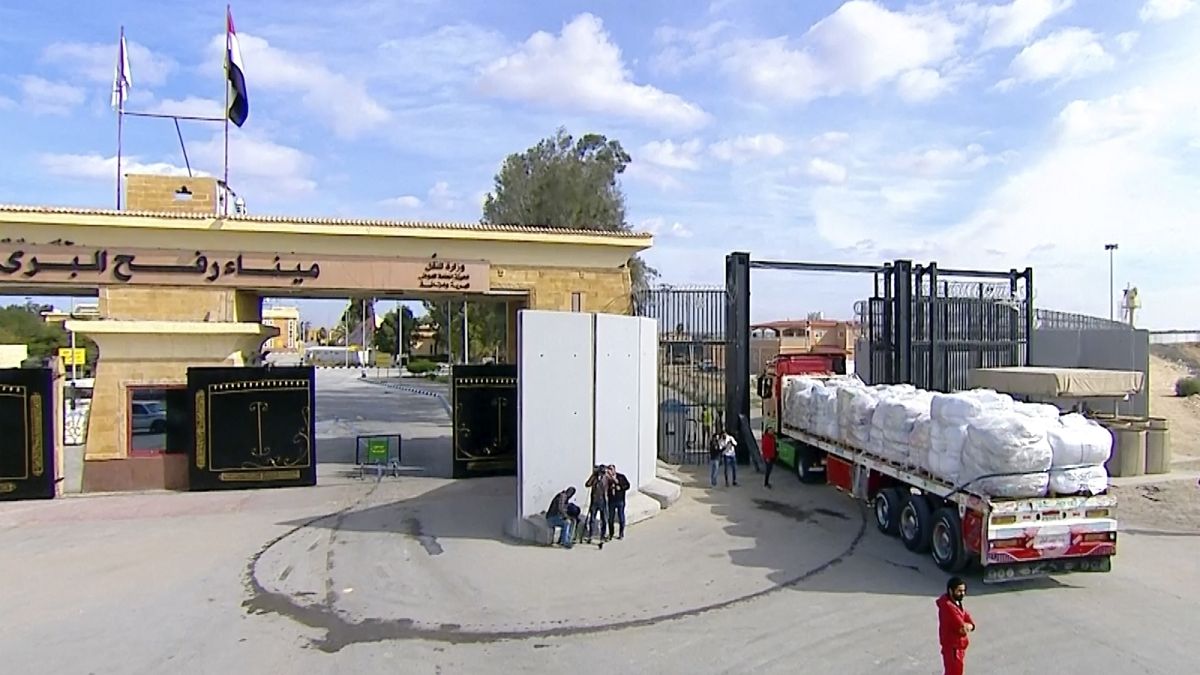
x,y
916,524
946,542
888,503
805,461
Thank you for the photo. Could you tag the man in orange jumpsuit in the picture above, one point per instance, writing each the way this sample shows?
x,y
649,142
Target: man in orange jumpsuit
x,y
954,624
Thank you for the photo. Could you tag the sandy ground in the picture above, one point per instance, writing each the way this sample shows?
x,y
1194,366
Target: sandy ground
x,y
1171,505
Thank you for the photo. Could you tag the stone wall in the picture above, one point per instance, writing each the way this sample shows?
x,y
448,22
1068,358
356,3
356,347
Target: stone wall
x,y
604,290
163,193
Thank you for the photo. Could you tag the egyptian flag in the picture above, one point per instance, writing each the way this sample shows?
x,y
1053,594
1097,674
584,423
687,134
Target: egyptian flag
x,y
239,104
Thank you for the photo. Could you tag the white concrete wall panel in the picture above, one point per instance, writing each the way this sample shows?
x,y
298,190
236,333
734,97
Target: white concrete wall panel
x,y
555,386
618,341
647,392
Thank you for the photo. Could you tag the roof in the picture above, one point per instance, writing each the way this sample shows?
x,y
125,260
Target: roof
x,y
801,323
337,222
1058,382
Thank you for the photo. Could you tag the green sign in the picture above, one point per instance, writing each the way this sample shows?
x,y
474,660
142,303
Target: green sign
x,y
377,450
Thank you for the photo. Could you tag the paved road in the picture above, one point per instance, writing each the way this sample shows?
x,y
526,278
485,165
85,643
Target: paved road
x,y
410,575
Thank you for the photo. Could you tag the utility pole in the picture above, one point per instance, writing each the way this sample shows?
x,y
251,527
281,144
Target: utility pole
x,y
1111,248
466,341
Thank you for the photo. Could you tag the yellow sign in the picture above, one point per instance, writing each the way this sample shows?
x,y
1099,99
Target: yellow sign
x,y
383,360
73,357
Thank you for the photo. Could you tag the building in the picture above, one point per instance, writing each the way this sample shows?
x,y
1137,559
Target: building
x,y
287,321
180,288
814,335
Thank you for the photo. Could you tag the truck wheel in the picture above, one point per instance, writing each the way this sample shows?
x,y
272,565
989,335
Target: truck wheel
x,y
888,503
916,524
946,543
804,468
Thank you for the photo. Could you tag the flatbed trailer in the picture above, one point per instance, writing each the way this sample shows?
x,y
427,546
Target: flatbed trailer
x,y
1010,539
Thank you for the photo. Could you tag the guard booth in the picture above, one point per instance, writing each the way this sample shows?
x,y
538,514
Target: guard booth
x,y
27,434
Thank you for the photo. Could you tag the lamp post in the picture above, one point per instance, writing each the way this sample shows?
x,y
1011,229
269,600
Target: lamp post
x,y
1111,248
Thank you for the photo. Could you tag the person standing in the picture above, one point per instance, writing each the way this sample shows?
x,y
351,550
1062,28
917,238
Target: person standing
x,y
954,625
714,457
616,501
600,484
728,447
706,421
769,454
558,515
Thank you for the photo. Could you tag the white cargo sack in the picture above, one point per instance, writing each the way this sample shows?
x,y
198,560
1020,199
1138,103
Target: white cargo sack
x,y
1090,480
1039,410
1007,443
855,408
1078,442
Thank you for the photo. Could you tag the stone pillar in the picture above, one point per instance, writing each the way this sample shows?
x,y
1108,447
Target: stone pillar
x,y
150,336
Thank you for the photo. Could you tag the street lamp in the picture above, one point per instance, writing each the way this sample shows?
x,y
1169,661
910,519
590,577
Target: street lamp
x,y
1111,248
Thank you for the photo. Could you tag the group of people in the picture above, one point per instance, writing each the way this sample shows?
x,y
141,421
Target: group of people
x,y
606,508
722,451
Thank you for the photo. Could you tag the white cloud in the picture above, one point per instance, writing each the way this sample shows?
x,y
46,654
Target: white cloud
x,y
441,197
825,171
648,173
257,165
856,49
192,106
921,84
1165,10
747,148
943,160
582,69
342,102
828,140
1126,41
658,226
98,167
1016,23
40,95
1064,55
6,103
406,202
449,55
671,155
96,62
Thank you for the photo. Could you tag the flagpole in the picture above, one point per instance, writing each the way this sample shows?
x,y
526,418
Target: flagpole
x,y
120,108
225,199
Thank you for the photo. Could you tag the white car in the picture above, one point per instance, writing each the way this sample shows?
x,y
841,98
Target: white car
x,y
149,417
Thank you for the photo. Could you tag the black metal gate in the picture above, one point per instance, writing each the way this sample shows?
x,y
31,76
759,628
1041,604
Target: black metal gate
x,y
484,404
252,428
691,367
26,433
931,327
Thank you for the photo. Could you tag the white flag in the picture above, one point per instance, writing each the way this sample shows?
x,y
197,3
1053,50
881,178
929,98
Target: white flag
x,y
121,79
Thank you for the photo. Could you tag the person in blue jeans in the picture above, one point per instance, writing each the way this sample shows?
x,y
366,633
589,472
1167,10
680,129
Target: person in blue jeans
x,y
714,457
728,447
558,515
616,501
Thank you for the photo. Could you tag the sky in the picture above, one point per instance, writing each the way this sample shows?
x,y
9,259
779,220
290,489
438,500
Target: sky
x,y
993,135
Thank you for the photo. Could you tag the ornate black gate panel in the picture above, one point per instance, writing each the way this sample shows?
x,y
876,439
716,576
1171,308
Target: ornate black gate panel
x,y
485,420
26,433
252,428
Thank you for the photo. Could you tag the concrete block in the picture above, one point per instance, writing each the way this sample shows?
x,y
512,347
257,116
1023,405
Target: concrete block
x,y
668,474
664,492
639,507
616,396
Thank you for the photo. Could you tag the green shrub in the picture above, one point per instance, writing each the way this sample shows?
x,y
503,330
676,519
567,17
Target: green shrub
x,y
1187,386
420,367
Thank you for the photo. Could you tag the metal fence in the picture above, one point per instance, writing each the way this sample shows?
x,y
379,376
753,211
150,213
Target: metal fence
x,y
930,331
691,367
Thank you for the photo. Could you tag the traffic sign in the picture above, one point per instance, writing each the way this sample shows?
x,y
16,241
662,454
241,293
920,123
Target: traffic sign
x,y
73,357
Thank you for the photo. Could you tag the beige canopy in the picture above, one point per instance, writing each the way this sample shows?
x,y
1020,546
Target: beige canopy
x,y
1058,382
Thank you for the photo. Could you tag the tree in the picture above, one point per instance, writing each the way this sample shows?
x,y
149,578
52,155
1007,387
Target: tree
x,y
24,325
565,183
385,337
486,328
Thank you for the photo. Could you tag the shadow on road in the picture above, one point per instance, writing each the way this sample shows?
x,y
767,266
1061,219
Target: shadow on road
x,y
477,508
848,553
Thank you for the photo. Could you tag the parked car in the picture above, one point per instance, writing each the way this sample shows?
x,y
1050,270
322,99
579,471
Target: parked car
x,y
149,417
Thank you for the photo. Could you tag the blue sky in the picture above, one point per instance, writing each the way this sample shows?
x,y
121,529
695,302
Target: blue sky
x,y
981,134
